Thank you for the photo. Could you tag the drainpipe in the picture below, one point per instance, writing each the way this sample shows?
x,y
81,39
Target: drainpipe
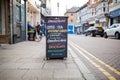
x,y
26,19
11,22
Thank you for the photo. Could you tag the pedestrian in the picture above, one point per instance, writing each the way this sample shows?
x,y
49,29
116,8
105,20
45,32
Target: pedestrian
x,y
38,33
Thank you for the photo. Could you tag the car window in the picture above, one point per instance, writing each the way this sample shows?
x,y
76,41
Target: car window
x,y
112,26
90,28
117,26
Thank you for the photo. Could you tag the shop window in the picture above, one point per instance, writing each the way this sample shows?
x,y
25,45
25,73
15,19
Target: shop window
x,y
116,20
18,21
104,4
18,15
119,19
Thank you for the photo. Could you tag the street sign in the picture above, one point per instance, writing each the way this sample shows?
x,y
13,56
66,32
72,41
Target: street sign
x,y
56,37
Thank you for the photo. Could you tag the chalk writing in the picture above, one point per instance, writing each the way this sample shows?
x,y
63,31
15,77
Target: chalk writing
x,y
57,31
56,21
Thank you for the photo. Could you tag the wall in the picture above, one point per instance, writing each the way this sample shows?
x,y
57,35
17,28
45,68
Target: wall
x,y
33,12
74,18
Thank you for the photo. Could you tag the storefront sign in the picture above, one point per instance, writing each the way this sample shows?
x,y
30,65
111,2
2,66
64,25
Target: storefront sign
x,y
56,37
115,13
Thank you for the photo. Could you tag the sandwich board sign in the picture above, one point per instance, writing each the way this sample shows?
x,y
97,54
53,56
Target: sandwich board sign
x,y
56,37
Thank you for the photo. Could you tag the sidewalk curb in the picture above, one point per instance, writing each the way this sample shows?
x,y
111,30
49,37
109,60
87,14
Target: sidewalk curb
x,y
86,73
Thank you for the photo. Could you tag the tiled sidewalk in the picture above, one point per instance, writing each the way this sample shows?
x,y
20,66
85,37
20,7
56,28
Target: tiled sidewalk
x,y
26,61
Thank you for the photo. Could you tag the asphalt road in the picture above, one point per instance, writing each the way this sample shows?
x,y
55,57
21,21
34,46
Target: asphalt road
x,y
100,55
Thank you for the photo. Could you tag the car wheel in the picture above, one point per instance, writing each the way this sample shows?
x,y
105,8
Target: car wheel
x,y
101,35
117,36
105,35
93,35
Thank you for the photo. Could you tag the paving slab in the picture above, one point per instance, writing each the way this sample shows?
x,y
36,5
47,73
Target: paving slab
x,y
12,74
26,61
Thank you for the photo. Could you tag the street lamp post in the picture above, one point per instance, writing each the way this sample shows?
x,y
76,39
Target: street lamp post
x,y
58,7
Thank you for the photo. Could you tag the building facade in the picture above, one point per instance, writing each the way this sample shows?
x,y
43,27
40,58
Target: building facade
x,y
83,15
114,11
14,16
101,13
91,12
4,15
33,12
45,10
98,13
72,15
17,21
72,19
12,21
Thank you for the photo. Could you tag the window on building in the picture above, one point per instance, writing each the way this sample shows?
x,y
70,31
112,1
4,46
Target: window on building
x,y
116,20
103,4
71,14
92,13
18,21
80,18
92,1
104,9
110,1
71,20
119,19
18,13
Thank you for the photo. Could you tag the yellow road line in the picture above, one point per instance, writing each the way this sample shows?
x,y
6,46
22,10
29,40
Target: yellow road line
x,y
100,61
107,74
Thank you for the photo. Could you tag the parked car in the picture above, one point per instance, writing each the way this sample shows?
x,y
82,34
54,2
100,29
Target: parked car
x,y
93,31
113,31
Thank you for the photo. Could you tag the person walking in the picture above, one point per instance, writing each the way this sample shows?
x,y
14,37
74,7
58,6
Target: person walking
x,y
38,33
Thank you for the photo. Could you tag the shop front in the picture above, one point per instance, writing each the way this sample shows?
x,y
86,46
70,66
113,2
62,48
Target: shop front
x,y
4,33
18,27
114,16
102,22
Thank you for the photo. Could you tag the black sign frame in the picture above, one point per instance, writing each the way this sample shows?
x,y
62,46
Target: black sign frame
x,y
56,36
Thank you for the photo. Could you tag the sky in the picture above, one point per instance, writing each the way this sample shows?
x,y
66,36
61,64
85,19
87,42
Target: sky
x,y
65,4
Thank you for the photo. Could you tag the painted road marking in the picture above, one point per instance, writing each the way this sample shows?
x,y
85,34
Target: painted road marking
x,y
107,74
100,61
86,73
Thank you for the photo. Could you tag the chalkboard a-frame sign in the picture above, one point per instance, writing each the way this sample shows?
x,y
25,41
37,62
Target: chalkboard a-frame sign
x,y
56,36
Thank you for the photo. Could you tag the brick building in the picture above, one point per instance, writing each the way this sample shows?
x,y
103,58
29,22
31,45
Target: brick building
x,y
72,15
